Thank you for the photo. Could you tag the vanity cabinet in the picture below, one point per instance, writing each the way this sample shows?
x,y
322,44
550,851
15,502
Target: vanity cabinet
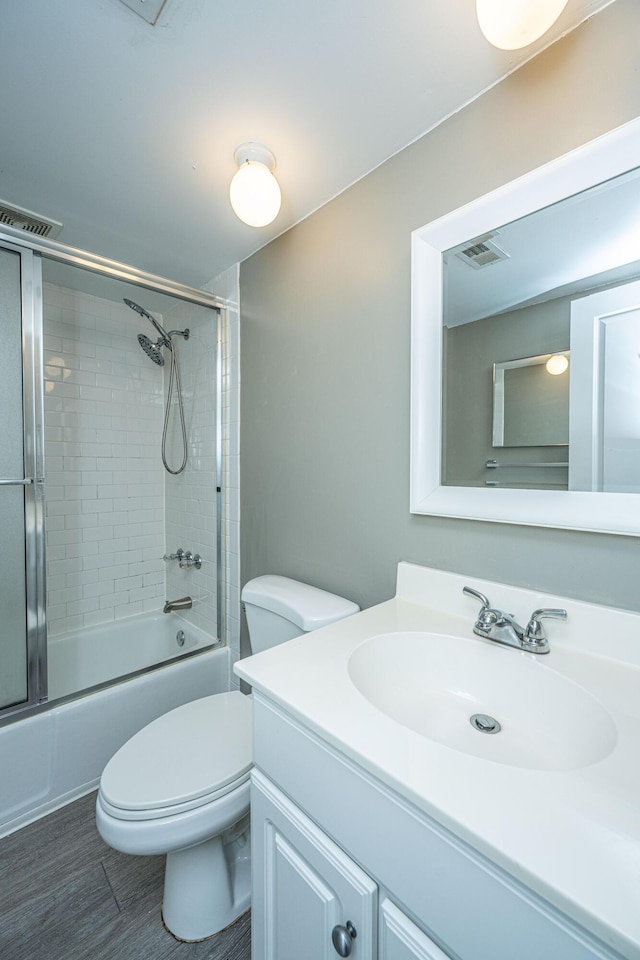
x,y
334,847
400,939
310,899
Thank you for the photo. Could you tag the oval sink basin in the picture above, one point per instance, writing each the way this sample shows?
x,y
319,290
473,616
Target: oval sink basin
x,y
434,684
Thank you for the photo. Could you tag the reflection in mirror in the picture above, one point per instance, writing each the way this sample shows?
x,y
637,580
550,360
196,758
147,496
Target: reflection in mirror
x,y
531,401
543,265
510,293
604,430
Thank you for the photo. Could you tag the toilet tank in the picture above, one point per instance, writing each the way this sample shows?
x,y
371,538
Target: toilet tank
x,y
280,609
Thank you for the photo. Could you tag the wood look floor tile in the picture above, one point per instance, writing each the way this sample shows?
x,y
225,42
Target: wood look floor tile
x,y
36,857
132,878
66,895
137,933
54,923
232,944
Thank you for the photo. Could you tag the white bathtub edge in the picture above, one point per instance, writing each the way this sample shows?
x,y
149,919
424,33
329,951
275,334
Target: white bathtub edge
x,y
58,755
11,826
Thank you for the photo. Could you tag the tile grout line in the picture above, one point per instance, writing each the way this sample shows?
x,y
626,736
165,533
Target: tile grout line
x,y
106,876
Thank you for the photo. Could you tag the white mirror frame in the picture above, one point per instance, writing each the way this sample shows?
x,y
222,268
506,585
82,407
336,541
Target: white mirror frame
x,y
600,160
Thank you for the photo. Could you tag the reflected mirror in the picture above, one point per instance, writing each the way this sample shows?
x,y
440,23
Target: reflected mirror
x,y
531,401
542,273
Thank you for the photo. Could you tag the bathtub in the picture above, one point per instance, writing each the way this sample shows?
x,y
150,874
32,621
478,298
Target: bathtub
x,y
87,658
58,753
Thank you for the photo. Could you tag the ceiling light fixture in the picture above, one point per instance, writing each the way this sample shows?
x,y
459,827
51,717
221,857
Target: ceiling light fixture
x,y
557,364
254,191
512,24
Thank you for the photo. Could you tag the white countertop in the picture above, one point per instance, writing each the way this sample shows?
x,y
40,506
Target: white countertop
x,y
573,836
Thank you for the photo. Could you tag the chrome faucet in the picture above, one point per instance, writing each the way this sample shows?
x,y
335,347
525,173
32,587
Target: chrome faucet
x,y
185,560
184,603
502,628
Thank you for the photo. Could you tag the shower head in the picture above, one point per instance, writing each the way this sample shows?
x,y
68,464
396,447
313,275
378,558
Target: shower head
x,y
151,349
144,313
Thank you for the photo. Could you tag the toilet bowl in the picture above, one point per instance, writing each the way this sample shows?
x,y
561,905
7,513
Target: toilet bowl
x,y
181,785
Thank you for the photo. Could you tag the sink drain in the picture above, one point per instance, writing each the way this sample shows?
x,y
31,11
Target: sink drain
x,y
484,723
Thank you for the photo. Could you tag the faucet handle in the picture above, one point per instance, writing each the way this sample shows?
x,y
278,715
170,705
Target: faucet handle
x,y
487,616
534,634
544,613
470,592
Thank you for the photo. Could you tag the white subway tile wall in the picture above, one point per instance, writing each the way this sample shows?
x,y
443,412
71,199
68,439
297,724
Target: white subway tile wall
x,y
112,509
105,489
190,498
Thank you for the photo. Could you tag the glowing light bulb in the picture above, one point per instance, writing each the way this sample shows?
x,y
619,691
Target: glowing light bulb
x,y
512,24
254,191
557,364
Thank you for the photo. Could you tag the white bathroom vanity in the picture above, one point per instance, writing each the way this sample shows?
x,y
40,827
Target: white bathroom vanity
x,y
386,825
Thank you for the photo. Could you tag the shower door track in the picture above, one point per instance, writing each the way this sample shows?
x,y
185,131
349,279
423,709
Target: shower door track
x,y
32,318
52,250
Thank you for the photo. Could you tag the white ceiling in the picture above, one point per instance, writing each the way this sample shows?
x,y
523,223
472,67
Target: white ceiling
x,y
125,131
586,241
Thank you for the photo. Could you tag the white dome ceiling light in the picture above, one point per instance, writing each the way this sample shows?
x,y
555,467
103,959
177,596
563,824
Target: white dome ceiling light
x,y
557,364
513,24
254,192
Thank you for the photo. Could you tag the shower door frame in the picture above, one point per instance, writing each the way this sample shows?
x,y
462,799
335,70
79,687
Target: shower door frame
x,y
32,250
33,478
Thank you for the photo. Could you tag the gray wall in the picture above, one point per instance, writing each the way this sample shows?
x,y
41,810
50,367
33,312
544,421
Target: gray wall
x,y
325,349
471,350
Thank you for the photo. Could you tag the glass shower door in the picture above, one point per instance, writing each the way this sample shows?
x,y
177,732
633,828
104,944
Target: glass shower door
x,y
22,673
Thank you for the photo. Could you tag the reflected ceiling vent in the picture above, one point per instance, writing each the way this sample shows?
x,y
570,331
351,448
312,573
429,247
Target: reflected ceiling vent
x,y
27,220
483,252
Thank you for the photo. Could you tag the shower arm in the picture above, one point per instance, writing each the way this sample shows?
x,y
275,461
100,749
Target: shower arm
x,y
165,338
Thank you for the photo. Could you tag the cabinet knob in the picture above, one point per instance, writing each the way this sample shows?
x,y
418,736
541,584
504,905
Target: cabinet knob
x,y
343,937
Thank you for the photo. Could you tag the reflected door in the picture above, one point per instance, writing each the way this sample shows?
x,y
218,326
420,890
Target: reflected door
x,y
604,432
621,403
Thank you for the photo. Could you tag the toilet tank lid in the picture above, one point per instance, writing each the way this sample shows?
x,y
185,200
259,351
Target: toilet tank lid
x,y
308,607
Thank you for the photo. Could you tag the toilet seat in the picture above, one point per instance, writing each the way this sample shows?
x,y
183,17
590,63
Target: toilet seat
x,y
185,759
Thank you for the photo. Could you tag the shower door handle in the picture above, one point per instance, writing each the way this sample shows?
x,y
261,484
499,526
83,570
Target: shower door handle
x,y
22,483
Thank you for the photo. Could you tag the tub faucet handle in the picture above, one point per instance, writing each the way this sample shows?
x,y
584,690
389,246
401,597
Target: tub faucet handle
x,y
185,559
189,559
178,555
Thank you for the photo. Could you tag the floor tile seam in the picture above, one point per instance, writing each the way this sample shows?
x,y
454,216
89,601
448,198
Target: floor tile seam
x,y
110,885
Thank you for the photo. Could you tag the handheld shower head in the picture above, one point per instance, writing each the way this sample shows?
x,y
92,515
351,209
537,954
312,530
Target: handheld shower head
x,y
154,352
151,349
144,313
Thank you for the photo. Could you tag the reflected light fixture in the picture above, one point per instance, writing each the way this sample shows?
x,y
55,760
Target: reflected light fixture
x,y
254,192
512,24
557,364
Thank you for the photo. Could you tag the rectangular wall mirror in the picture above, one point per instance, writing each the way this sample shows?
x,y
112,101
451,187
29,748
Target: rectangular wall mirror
x,y
543,271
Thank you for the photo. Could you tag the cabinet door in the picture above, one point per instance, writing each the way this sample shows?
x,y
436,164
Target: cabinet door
x,y
400,939
304,886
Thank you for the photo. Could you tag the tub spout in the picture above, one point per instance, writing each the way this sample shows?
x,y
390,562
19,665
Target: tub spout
x,y
184,603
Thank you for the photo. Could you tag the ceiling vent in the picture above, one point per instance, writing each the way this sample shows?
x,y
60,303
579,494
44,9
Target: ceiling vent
x,y
483,252
27,220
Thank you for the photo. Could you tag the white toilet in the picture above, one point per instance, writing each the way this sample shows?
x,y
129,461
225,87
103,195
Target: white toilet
x,y
180,786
